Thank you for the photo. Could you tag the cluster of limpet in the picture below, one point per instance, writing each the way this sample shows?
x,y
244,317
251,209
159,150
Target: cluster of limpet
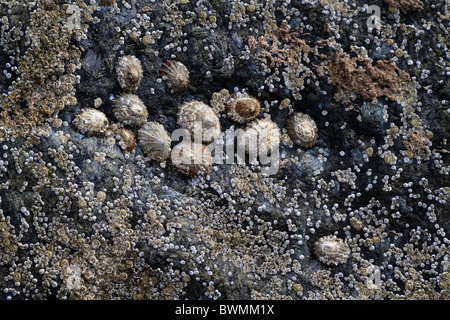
x,y
176,75
129,73
91,122
155,141
263,135
130,110
331,250
302,129
195,115
242,108
191,159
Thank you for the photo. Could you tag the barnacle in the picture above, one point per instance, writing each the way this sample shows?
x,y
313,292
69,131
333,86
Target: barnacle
x,y
176,75
243,108
192,159
90,121
331,250
302,129
196,115
155,141
129,72
130,110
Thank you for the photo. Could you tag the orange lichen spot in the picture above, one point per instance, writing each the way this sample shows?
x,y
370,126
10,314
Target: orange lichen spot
x,y
107,3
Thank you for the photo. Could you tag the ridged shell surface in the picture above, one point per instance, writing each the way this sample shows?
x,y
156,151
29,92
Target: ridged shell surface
x,y
129,73
302,129
91,121
126,139
192,159
176,75
243,108
196,113
331,250
130,110
264,136
155,141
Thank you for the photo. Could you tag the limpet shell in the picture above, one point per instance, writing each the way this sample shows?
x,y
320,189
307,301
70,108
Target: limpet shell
x,y
192,159
129,73
243,108
90,121
176,75
264,137
331,250
130,110
196,113
155,141
302,129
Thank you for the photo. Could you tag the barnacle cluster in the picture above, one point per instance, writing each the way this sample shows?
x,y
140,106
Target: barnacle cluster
x,y
219,100
405,5
382,78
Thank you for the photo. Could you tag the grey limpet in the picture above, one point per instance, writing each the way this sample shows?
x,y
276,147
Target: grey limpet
x,y
331,250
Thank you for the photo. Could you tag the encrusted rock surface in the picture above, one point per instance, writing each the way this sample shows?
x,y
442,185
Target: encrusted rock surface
x,y
92,217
